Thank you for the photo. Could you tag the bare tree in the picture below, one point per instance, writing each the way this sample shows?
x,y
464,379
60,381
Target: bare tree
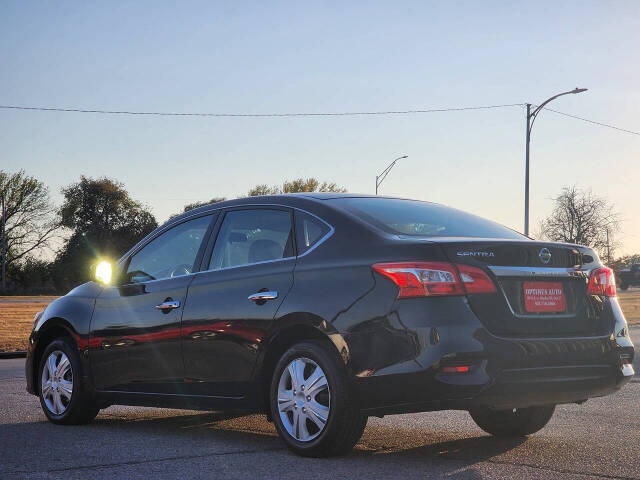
x,y
31,222
295,186
580,216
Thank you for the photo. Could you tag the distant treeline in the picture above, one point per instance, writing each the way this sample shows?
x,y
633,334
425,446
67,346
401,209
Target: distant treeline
x,y
97,219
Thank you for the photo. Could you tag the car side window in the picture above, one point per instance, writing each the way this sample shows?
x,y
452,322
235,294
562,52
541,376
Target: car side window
x,y
309,231
169,255
252,236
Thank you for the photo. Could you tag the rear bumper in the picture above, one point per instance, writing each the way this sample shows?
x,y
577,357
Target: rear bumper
x,y
503,372
509,388
550,385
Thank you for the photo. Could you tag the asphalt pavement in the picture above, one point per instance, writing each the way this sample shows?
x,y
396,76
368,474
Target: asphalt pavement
x,y
599,439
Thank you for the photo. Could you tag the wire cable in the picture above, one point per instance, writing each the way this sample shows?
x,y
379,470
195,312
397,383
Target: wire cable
x,y
305,114
592,121
300,114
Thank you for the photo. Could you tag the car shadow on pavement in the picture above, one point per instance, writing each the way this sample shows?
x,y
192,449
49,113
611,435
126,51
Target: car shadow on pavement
x,y
222,426
377,440
381,444
146,435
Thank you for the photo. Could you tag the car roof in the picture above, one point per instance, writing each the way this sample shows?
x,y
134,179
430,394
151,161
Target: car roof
x,y
284,199
299,200
328,195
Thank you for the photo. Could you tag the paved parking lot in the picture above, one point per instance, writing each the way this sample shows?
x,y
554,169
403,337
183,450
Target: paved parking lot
x,y
600,439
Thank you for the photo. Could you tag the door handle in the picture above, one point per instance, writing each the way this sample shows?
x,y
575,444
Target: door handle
x,y
263,296
168,305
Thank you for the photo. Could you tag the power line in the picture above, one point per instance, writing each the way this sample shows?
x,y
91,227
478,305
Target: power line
x,y
592,121
305,114
298,114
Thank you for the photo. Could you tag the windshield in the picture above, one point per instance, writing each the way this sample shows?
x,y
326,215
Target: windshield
x,y
412,217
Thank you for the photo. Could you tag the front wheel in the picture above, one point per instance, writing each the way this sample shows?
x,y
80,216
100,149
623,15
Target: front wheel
x,y
515,422
624,286
311,405
62,394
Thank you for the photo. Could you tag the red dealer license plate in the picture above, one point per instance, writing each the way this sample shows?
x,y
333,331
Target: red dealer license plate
x,y
543,297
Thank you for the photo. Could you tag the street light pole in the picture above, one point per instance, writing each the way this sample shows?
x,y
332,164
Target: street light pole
x,y
385,172
531,118
526,174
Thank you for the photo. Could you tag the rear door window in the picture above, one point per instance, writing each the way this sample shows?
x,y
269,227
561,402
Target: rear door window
x,y
252,236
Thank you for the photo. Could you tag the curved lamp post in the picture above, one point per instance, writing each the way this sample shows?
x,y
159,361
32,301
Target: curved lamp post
x,y
531,117
385,172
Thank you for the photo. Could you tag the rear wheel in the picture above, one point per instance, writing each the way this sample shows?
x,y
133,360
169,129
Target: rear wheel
x,y
63,397
624,286
516,422
311,404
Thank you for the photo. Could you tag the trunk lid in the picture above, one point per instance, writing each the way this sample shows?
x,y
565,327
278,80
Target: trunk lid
x,y
541,287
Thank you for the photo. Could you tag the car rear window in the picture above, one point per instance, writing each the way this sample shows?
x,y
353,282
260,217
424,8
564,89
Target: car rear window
x,y
412,217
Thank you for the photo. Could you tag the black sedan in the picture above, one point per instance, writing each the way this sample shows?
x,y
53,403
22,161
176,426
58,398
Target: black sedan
x,y
321,310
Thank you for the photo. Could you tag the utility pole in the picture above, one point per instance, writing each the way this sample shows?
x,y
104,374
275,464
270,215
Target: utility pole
x,y
531,117
608,249
526,173
4,247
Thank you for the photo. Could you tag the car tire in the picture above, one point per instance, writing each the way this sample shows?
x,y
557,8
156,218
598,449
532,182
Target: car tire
x,y
63,395
517,422
624,286
332,401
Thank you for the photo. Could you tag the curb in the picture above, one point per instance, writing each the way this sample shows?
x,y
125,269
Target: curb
x,y
18,354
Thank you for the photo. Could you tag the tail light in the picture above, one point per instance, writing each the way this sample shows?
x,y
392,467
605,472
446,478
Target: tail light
x,y
427,279
475,280
602,282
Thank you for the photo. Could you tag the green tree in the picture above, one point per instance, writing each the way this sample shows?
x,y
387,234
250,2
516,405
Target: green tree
x,y
103,221
263,190
191,206
31,217
30,276
295,186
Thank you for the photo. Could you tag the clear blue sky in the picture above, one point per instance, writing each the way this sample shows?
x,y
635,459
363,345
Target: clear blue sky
x,y
258,57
